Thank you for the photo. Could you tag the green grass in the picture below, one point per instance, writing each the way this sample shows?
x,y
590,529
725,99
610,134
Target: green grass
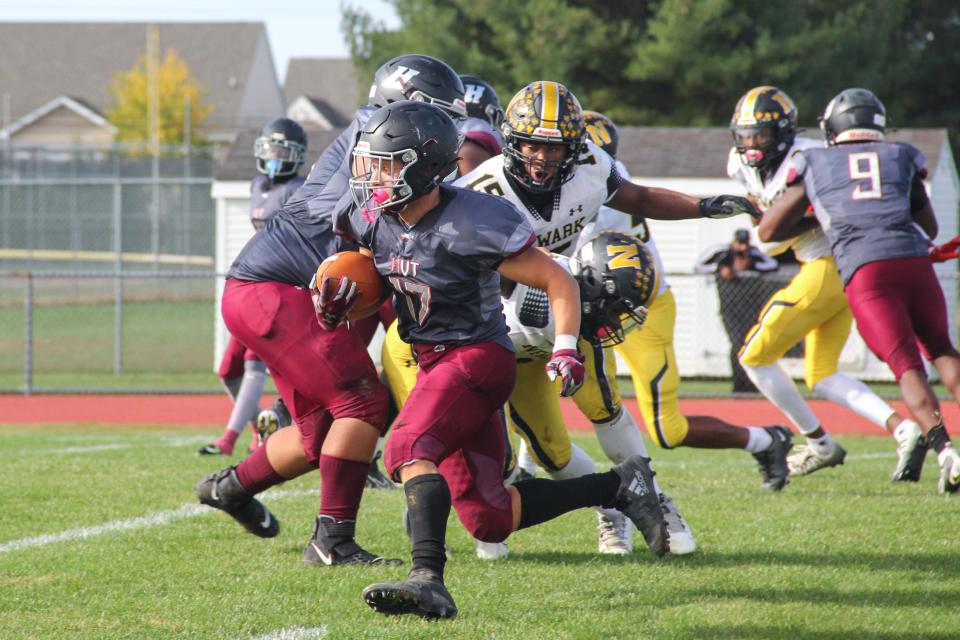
x,y
841,554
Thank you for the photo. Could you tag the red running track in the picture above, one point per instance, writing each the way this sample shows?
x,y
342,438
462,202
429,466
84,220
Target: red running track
x,y
209,410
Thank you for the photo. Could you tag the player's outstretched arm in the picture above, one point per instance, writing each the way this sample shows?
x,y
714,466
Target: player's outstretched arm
x,y
663,204
537,269
780,220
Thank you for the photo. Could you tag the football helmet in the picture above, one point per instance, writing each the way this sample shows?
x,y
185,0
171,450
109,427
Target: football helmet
x,y
618,280
854,115
543,112
601,130
404,151
768,115
420,78
280,149
482,101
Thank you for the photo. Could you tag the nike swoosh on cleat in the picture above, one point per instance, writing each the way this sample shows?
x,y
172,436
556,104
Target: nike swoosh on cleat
x,y
213,492
327,559
265,523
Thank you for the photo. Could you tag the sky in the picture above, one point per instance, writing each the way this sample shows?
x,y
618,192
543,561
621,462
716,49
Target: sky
x,y
297,28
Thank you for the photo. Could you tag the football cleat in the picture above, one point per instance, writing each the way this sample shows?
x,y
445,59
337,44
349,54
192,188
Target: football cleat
x,y
949,471
269,421
616,535
422,593
911,452
222,490
490,550
213,449
345,551
774,473
376,479
804,460
681,537
637,499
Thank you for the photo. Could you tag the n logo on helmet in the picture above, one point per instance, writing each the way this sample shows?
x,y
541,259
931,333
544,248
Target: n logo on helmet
x,y
401,77
623,256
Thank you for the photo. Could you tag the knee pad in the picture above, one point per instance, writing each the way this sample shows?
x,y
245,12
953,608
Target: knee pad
x,y
490,525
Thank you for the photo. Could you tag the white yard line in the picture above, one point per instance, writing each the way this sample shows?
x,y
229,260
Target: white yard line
x,y
295,633
158,518
94,448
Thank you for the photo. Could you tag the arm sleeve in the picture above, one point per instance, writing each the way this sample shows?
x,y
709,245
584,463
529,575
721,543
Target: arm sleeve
x,y
614,179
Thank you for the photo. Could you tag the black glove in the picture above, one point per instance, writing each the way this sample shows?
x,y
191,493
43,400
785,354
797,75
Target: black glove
x,y
725,206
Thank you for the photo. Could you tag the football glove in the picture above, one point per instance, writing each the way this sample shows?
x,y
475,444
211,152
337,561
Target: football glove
x,y
726,206
945,251
332,300
568,364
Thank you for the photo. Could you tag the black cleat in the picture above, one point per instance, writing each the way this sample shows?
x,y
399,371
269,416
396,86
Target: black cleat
x,y
637,499
212,449
911,452
774,472
222,490
422,593
345,551
376,479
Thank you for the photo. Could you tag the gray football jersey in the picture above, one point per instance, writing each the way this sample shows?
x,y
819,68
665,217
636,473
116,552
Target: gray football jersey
x,y
267,198
443,269
861,197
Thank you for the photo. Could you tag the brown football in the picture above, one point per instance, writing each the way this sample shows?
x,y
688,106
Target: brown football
x,y
360,269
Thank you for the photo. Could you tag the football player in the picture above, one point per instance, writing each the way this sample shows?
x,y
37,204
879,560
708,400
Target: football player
x,y
561,179
406,77
442,249
280,151
327,379
812,308
869,198
482,138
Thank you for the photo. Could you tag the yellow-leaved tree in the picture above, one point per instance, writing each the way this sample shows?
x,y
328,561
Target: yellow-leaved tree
x,y
178,94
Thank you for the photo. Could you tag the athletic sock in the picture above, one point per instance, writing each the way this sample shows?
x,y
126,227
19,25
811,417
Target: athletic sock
x,y
525,460
823,446
246,405
758,440
227,441
542,500
620,438
779,389
428,506
341,486
856,396
255,472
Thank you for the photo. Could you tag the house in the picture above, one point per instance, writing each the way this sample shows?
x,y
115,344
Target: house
x,y
693,161
321,92
61,95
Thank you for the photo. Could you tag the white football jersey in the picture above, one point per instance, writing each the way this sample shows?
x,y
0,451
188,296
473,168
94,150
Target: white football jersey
x,y
575,204
529,321
612,220
807,246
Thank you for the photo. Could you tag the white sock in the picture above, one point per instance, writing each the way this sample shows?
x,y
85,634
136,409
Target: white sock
x,y
378,448
247,402
779,389
823,445
856,396
759,440
525,461
620,438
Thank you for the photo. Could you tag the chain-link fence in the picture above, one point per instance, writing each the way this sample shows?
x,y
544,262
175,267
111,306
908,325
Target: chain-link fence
x,y
146,331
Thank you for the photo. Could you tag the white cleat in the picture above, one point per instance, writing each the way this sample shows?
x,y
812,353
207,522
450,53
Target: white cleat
x,y
681,537
492,550
616,535
949,461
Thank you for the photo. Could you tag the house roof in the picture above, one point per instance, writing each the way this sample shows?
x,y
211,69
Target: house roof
x,y
330,82
701,152
44,60
76,105
239,164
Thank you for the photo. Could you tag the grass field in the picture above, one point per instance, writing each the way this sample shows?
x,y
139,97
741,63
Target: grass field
x,y
101,539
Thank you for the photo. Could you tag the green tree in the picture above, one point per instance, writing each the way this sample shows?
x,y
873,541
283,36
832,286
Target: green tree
x,y
176,87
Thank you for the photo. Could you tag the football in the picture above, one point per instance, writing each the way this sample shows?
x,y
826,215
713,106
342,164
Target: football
x,y
360,269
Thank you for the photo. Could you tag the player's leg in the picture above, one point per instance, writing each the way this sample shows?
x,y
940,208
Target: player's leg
x,y
650,356
243,378
881,296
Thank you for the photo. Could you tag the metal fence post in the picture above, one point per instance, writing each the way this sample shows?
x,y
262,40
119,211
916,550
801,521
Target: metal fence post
x,y
28,335
117,278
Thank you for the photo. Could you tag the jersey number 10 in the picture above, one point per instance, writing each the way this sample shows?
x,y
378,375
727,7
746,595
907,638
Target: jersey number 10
x,y
866,167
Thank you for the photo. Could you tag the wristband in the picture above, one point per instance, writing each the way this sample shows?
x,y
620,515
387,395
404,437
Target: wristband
x,y
564,341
